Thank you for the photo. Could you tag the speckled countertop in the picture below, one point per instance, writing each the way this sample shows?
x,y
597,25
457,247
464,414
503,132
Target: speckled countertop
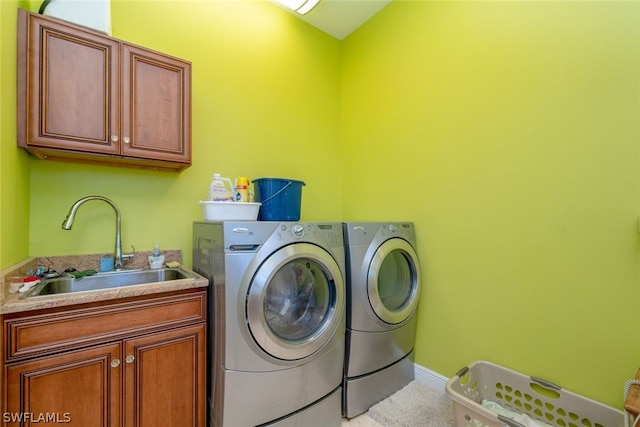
x,y
11,303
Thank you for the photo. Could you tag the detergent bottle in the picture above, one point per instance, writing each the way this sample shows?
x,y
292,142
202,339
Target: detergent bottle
x,y
242,189
221,189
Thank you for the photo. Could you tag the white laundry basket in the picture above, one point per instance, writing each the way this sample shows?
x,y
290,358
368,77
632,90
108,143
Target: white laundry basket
x,y
516,392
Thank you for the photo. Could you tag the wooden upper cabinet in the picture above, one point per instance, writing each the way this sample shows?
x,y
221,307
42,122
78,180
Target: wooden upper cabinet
x,y
84,96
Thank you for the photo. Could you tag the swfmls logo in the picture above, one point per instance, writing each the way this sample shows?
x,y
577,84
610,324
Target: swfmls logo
x,y
36,417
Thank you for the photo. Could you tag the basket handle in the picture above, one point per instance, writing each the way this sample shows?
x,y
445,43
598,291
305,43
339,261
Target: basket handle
x,y
277,192
545,384
509,421
462,372
545,388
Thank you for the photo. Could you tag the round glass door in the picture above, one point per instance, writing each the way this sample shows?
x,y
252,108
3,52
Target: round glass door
x,y
295,301
393,282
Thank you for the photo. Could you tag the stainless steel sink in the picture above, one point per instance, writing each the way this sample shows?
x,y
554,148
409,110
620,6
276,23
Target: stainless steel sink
x,y
108,280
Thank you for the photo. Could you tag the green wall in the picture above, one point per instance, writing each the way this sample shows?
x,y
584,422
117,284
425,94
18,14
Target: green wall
x,y
14,163
508,132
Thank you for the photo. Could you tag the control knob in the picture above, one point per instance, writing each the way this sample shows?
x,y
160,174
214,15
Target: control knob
x,y
297,230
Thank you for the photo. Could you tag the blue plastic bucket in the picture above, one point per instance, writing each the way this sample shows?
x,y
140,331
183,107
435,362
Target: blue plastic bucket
x,y
280,197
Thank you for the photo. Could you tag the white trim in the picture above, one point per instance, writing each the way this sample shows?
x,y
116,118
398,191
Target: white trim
x,y
430,378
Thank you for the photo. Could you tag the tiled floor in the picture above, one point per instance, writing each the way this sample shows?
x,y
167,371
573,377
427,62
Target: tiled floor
x,y
362,420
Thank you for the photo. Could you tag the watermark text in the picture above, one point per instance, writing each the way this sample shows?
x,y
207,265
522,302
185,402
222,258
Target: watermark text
x,y
36,417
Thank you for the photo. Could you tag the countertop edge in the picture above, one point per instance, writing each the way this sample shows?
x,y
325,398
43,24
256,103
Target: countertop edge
x,y
11,303
14,305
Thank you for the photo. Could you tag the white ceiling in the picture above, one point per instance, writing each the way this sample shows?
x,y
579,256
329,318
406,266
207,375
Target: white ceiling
x,y
340,17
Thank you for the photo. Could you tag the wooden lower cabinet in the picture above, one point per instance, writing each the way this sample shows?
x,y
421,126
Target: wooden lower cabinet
x,y
160,373
78,388
151,376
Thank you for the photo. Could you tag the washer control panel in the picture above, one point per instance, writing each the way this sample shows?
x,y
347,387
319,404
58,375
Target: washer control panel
x,y
330,233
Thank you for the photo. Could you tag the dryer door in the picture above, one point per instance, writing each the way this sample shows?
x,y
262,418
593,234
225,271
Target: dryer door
x,y
393,282
295,301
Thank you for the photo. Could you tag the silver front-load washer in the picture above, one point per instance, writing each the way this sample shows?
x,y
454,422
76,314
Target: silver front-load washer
x,y
276,336
383,288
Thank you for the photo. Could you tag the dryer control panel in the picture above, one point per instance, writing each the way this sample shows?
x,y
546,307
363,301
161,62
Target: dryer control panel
x,y
366,233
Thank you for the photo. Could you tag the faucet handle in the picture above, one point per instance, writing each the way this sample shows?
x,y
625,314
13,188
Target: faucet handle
x,y
129,256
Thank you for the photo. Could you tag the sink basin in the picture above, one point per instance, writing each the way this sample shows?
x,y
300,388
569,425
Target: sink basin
x,y
108,280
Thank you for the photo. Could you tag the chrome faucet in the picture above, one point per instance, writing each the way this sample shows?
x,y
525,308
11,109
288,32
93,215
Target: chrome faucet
x,y
68,222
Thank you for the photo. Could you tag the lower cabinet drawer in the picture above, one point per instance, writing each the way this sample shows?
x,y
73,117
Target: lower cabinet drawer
x,y
43,334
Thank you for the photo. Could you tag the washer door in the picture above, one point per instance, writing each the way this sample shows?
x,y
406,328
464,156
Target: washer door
x,y
295,301
393,281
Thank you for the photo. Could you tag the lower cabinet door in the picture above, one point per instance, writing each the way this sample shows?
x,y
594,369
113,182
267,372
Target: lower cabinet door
x,y
78,388
164,376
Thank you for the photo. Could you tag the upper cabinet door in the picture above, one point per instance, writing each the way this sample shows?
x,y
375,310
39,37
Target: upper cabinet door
x,y
72,87
156,101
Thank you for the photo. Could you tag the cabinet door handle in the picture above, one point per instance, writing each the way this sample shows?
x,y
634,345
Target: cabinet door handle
x,y
114,138
115,363
126,140
130,358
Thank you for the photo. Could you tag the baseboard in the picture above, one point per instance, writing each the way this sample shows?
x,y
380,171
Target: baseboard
x,y
430,378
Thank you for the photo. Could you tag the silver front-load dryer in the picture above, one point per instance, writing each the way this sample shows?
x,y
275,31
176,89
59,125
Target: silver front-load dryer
x,y
277,332
383,288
